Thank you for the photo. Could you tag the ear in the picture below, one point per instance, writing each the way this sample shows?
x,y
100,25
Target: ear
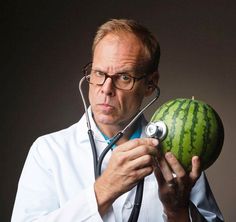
x,y
152,83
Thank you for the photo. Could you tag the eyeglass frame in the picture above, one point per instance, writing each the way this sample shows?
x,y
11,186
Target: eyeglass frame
x,y
85,68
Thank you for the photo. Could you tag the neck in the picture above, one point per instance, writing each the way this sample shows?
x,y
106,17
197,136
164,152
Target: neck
x,y
111,130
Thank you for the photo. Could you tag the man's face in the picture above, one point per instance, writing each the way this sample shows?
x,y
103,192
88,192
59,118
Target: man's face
x,y
112,55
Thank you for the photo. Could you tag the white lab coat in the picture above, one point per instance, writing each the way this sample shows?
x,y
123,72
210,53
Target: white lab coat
x,y
57,180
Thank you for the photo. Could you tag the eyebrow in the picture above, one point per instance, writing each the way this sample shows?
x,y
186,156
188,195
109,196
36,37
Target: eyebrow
x,y
126,71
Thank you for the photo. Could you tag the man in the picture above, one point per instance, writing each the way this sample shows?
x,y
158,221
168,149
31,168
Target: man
x,y
58,183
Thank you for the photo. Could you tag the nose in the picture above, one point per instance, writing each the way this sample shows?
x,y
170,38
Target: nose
x,y
107,87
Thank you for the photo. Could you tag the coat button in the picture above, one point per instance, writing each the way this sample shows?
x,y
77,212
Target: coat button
x,y
128,205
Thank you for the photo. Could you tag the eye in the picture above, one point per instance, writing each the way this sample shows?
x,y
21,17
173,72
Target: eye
x,y
98,73
125,77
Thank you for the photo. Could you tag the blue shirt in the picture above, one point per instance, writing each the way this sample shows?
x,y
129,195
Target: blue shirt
x,y
136,134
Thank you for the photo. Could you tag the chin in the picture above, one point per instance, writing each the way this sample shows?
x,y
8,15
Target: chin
x,y
110,118
107,120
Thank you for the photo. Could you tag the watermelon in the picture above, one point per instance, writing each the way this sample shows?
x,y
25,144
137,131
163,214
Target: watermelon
x,y
193,128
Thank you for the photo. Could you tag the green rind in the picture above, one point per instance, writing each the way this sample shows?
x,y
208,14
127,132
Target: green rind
x,y
194,128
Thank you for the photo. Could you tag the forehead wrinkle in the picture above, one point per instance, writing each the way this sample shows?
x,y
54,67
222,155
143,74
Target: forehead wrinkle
x,y
120,69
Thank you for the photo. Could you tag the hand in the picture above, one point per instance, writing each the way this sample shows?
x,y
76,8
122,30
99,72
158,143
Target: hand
x,y
175,185
129,163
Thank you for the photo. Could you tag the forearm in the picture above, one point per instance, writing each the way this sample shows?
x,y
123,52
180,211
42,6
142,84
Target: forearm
x,y
104,196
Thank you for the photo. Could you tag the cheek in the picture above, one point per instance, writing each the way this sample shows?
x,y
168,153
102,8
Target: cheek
x,y
133,101
91,95
91,100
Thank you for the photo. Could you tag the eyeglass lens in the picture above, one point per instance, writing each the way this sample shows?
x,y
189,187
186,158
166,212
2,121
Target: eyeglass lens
x,y
120,80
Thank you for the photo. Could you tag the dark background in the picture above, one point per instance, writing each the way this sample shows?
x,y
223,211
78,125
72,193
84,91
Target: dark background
x,y
44,44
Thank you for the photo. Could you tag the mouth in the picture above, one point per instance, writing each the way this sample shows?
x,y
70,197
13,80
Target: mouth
x,y
106,107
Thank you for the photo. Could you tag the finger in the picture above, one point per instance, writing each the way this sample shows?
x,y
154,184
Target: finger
x,y
131,144
196,168
141,151
141,162
165,168
159,177
175,165
143,172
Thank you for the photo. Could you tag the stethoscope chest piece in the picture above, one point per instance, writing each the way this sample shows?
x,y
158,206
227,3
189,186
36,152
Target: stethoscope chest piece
x,y
156,130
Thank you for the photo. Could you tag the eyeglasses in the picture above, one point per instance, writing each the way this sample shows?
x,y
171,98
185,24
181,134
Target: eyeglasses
x,y
123,80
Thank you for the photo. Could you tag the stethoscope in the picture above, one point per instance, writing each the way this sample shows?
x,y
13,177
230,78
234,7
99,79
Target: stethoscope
x,y
152,130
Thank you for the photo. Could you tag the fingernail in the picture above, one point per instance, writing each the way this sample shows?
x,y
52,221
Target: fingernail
x,y
155,142
169,155
195,159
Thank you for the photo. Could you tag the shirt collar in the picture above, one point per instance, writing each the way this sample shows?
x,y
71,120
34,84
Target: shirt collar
x,y
136,134
139,132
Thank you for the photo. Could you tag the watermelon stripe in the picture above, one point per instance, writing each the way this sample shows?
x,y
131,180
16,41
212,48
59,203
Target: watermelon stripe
x,y
167,110
192,129
206,135
183,131
174,120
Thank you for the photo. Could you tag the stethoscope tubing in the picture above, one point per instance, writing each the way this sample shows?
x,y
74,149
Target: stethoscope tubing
x,y
98,161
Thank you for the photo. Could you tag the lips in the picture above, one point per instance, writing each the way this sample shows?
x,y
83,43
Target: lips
x,y
106,102
105,107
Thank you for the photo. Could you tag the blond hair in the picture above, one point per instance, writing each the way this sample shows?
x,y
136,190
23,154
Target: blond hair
x,y
122,26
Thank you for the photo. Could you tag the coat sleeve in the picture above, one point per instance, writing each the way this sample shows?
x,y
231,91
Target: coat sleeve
x,y
203,207
37,198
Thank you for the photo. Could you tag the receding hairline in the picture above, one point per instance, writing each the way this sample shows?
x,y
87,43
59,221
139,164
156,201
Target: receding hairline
x,y
122,27
124,37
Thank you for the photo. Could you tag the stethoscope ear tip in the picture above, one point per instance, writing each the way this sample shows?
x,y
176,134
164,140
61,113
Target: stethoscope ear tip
x,y
158,91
